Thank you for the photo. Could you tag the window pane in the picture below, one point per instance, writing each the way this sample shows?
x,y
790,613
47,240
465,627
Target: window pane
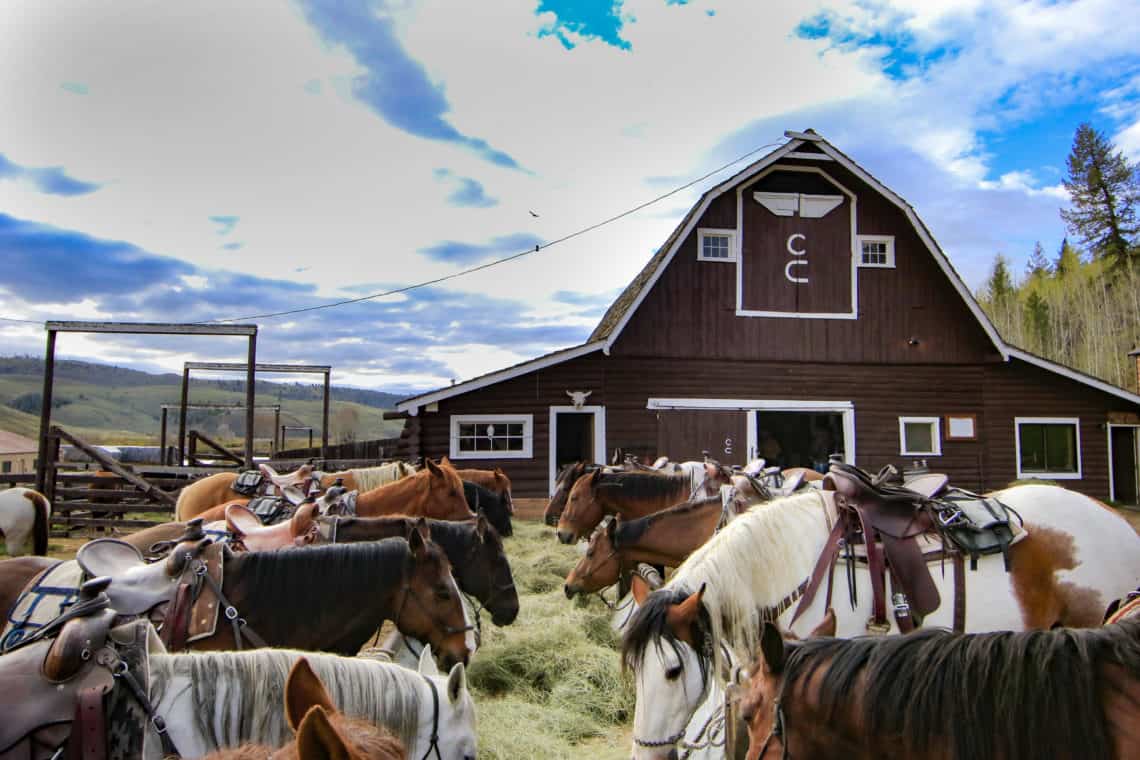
x,y
466,430
1032,447
1060,448
919,436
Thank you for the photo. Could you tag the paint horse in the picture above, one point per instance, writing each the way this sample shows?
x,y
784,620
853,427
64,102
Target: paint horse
x,y
633,494
1058,693
24,515
1076,555
322,731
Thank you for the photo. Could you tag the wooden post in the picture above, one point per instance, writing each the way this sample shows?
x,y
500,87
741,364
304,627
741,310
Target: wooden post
x,y
45,411
249,396
162,438
52,460
219,448
110,464
273,437
324,446
185,397
325,421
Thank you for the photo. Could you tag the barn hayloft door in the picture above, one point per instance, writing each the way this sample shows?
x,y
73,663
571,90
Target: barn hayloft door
x,y
577,434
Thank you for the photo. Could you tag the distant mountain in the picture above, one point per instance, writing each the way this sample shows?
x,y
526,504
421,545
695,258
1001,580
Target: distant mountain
x,y
120,405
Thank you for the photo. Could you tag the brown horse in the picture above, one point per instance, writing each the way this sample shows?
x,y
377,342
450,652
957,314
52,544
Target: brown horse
x,y
367,478
629,494
435,491
494,480
933,694
323,733
204,493
663,538
564,481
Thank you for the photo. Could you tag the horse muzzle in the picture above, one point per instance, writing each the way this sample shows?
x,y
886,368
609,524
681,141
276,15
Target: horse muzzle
x,y
566,536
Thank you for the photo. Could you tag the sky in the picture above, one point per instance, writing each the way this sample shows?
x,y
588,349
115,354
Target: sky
x,y
215,160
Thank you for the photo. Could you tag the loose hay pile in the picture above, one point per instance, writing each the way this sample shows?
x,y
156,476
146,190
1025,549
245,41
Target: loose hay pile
x,y
552,680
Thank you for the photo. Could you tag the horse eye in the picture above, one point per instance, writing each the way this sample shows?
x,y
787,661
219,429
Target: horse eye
x,y
673,673
589,553
442,592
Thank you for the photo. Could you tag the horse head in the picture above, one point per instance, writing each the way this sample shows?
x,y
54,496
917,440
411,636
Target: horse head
x,y
444,493
566,479
599,567
490,572
430,608
583,511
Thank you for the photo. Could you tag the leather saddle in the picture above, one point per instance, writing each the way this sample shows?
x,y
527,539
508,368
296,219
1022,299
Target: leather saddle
x,y
295,479
248,532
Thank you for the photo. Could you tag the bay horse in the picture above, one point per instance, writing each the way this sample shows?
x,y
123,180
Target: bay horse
x,y
563,482
322,731
24,515
215,700
631,495
937,695
1077,553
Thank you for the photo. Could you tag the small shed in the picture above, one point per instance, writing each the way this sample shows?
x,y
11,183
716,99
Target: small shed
x,y
17,454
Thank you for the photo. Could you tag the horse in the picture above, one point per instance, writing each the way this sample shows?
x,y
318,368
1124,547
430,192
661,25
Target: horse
x,y
937,695
24,514
663,538
563,482
367,478
1076,553
203,493
435,491
322,731
494,480
633,494
215,700
473,548
495,507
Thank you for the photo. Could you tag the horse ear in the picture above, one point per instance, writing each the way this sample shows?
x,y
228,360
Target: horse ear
x,y
596,476
427,666
456,682
480,524
611,530
826,628
639,588
681,617
318,739
772,648
303,691
434,468
445,461
416,541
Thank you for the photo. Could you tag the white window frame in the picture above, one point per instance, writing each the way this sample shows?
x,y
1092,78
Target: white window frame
x,y
888,239
1026,474
703,232
528,436
935,438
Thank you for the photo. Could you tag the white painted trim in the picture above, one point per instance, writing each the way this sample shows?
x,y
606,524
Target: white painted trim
x,y
733,247
1019,421
689,224
808,136
1074,375
935,438
599,413
528,436
413,404
1111,469
809,156
856,251
889,240
748,406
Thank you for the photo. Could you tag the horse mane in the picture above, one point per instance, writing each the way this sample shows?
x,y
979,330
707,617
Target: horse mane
x,y
1050,685
753,563
630,531
645,485
368,478
380,693
650,624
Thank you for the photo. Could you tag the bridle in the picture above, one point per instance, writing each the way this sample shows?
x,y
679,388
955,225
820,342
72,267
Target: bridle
x,y
448,630
671,741
779,730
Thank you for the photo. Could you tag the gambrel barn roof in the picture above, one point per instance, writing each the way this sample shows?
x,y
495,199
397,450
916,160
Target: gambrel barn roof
x,y
807,145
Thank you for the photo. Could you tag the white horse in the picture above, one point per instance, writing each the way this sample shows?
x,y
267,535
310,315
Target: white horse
x,y
211,700
1078,555
24,515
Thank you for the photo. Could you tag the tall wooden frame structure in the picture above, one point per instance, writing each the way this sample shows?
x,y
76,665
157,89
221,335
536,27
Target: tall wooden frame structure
x,y
312,369
53,328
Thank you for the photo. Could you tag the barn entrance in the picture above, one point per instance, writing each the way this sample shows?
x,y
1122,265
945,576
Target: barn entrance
x,y
576,435
1125,463
799,439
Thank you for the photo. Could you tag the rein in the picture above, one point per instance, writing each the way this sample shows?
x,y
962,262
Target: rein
x,y
434,746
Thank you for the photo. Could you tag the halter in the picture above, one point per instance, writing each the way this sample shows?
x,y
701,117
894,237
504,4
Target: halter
x,y
671,741
779,729
434,746
448,630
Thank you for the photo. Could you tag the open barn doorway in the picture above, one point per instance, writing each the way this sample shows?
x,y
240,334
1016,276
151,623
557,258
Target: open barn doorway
x,y
799,439
1124,448
576,435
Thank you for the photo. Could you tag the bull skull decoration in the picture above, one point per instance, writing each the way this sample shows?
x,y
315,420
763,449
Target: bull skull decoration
x,y
578,398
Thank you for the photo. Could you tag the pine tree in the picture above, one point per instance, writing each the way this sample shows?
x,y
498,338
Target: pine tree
x,y
1038,265
1037,320
1068,260
999,286
1104,189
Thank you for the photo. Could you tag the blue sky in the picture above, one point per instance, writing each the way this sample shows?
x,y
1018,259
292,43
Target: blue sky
x,y
222,160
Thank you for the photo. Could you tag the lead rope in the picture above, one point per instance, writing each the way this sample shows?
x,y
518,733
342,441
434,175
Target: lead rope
x,y
434,746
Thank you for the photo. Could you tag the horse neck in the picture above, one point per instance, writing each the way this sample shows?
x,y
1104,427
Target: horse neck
x,y
404,496
812,731
352,529
612,502
677,532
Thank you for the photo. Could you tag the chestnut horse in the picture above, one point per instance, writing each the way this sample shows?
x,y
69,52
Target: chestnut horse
x,y
435,491
938,695
632,494
563,482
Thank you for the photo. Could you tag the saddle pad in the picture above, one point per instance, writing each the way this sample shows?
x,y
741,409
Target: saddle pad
x,y
270,509
248,483
44,599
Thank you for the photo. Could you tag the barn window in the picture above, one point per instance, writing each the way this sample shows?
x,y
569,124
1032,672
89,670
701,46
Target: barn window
x,y
877,251
716,245
491,436
1048,447
920,436
6,466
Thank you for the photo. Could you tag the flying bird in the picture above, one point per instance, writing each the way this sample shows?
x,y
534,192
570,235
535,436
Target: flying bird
x,y
533,214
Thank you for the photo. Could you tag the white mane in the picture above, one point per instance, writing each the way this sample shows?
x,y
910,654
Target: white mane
x,y
368,478
754,562
238,696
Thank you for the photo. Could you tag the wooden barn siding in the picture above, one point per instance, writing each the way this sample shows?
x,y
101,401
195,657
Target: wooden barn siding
x,y
880,393
690,311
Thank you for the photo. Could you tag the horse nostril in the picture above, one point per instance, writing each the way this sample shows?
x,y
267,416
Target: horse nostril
x,y
568,591
565,537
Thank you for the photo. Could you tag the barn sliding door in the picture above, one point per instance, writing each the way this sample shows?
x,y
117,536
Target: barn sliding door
x,y
684,434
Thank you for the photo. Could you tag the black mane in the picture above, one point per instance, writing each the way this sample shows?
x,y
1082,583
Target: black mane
x,y
644,485
649,623
1009,695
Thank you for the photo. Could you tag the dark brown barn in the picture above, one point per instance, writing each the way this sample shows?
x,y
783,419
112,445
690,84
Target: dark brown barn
x,y
800,309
